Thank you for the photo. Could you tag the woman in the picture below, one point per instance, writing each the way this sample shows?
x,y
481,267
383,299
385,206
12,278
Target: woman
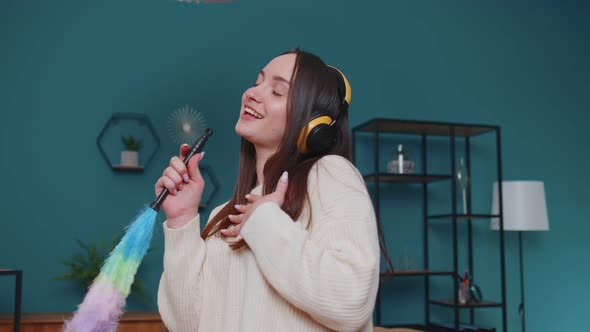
x,y
296,247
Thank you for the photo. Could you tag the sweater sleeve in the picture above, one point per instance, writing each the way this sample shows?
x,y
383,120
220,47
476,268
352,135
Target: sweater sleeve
x,y
180,283
331,270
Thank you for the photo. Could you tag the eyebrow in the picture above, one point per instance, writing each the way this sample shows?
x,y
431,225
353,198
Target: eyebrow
x,y
276,78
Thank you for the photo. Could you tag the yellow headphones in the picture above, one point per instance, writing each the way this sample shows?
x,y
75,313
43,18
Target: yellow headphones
x,y
319,133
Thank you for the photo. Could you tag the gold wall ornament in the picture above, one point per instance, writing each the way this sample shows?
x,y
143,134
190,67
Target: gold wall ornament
x,y
185,125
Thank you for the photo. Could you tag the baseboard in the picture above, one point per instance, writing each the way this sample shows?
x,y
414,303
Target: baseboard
x,y
134,321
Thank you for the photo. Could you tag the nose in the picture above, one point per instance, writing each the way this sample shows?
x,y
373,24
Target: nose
x,y
253,94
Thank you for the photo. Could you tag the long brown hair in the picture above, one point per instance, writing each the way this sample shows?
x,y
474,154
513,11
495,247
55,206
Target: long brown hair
x,y
314,89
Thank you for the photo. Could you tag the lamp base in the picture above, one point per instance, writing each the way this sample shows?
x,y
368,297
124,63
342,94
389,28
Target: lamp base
x,y
521,306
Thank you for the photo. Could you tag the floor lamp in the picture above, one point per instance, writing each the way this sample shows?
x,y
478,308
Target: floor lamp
x,y
524,209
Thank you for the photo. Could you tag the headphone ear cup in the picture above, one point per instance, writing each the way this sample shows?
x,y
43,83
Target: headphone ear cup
x,y
321,138
316,136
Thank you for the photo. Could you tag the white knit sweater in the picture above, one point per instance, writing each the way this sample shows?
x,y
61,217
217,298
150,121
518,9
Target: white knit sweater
x,y
290,277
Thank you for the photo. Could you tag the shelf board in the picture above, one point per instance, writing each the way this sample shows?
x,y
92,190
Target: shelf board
x,y
450,326
470,304
406,273
128,168
405,178
414,327
9,271
423,127
464,216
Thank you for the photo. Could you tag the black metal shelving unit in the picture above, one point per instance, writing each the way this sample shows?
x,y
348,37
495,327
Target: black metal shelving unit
x,y
18,289
425,130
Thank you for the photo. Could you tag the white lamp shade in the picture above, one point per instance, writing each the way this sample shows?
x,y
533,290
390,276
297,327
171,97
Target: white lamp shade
x,y
524,206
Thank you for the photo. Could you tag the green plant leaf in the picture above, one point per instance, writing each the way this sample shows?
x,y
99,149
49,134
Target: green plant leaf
x,y
131,143
84,267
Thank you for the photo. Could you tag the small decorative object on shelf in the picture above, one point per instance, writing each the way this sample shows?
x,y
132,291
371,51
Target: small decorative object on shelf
x,y
463,179
464,295
401,164
130,156
468,290
404,260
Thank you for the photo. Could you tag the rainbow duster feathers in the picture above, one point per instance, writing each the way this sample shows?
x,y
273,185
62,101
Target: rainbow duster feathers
x,y
103,304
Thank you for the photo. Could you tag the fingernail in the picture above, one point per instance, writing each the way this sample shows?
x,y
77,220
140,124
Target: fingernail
x,y
202,155
185,177
181,185
230,216
247,196
174,192
285,177
223,231
237,206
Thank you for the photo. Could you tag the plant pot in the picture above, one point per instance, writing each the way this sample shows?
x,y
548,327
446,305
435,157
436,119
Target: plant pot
x,y
129,158
407,167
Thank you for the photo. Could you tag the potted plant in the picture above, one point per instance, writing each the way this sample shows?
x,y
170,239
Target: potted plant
x,y
84,268
130,156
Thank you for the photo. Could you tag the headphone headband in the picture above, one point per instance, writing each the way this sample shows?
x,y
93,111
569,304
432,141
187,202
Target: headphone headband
x,y
343,85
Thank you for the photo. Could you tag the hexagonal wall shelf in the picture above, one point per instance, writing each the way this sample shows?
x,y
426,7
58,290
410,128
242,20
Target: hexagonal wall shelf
x,y
211,186
127,124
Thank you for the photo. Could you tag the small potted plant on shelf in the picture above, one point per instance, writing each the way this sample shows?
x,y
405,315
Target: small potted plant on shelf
x,y
400,164
130,156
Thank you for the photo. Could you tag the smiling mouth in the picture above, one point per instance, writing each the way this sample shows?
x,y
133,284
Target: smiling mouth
x,y
252,112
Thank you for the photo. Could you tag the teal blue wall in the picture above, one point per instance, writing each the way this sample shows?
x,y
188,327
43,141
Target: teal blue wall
x,y
66,66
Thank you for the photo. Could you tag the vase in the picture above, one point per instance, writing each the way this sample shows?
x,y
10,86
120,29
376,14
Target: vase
x,y
129,158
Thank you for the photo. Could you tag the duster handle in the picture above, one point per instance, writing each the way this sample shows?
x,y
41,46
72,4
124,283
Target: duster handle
x,y
196,148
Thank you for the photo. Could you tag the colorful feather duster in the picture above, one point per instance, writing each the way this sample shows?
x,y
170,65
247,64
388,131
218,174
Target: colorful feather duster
x,y
104,302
